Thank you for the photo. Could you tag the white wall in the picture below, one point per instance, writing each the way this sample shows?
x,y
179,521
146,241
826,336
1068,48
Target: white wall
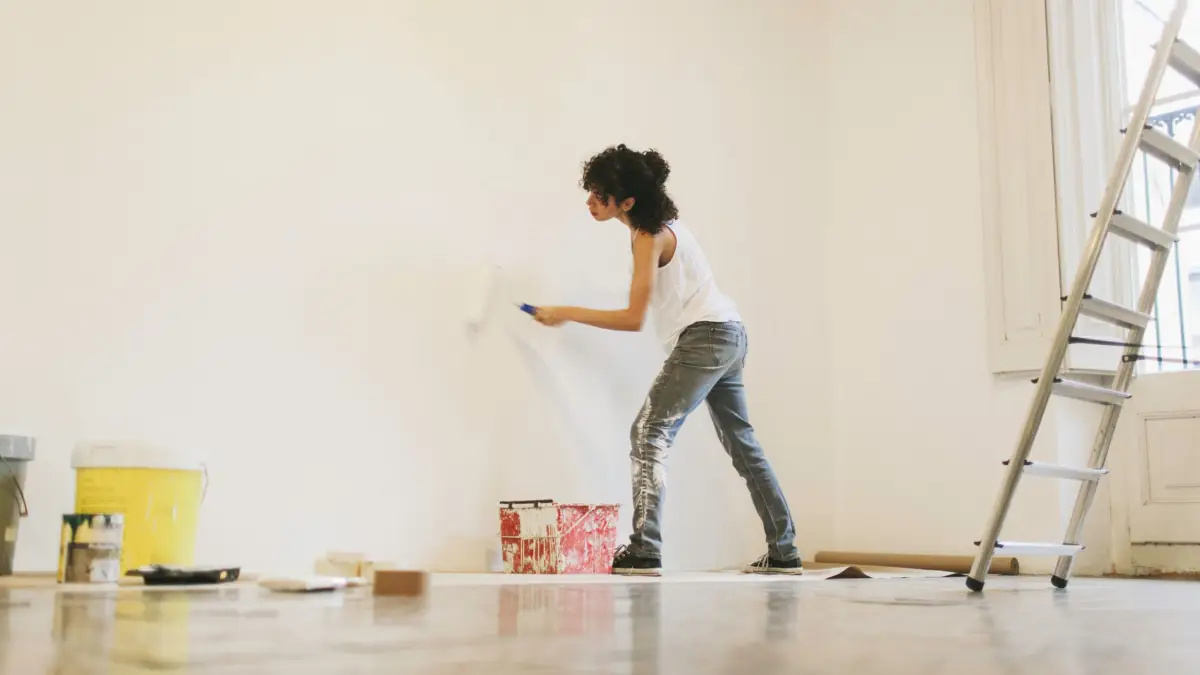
x,y
248,228
920,425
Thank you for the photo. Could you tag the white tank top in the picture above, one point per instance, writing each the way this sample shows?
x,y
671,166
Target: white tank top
x,y
686,292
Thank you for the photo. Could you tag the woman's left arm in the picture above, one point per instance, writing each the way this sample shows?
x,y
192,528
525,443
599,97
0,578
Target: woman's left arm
x,y
646,253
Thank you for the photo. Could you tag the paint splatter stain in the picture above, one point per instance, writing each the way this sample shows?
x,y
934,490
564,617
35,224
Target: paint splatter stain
x,y
553,538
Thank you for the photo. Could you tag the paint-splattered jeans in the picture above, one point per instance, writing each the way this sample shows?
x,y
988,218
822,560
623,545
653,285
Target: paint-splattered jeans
x,y
705,366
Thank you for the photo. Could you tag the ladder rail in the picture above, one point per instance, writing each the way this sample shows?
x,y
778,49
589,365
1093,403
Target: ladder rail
x,y
1083,277
1125,371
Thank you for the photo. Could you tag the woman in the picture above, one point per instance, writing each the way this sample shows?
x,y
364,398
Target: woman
x,y
703,333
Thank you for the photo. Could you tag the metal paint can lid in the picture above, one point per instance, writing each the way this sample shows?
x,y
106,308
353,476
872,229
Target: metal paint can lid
x,y
17,448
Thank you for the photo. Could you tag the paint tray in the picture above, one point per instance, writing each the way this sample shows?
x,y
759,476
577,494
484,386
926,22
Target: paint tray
x,y
166,575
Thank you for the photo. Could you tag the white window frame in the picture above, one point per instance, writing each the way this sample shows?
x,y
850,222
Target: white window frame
x,y
1049,115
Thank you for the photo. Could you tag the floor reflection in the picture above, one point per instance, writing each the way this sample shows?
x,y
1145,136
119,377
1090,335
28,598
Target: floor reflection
x,y
502,625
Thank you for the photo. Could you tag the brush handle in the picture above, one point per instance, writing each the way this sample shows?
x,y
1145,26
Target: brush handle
x,y
527,308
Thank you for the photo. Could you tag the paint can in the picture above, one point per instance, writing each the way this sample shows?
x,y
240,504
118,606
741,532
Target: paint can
x,y
16,452
159,492
542,536
90,552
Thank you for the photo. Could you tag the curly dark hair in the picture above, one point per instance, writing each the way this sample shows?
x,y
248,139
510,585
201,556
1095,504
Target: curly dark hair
x,y
620,173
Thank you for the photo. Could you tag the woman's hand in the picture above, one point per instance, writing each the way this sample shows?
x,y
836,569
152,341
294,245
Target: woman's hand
x,y
551,316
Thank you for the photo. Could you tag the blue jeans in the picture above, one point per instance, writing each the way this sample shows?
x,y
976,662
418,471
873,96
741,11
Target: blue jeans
x,y
705,366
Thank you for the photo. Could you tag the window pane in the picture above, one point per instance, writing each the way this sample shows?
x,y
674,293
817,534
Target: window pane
x,y
1143,25
1175,333
1170,337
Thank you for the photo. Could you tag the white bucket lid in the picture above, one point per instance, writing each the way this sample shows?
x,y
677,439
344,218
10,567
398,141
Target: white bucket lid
x,y
17,448
131,455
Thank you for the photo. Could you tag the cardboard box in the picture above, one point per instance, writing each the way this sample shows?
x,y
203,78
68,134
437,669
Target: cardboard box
x,y
406,583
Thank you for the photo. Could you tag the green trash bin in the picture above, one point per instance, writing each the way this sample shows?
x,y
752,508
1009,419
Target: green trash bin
x,y
16,452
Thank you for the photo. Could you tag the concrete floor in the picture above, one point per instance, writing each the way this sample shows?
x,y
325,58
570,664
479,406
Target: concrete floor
x,y
689,624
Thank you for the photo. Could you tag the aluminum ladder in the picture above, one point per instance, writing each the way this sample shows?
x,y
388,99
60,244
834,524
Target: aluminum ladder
x,y
1170,52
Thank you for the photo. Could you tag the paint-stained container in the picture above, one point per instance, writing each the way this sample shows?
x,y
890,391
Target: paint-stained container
x,y
90,552
158,491
16,452
546,537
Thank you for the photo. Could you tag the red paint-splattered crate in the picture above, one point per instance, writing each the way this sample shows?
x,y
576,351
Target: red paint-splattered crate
x,y
545,537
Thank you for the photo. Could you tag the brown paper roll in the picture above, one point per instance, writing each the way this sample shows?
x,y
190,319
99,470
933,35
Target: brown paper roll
x,y
959,564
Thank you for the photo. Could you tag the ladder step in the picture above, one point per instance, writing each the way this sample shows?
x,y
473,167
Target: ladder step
x,y
1114,314
1029,548
1140,233
1186,61
1060,471
1161,146
1087,392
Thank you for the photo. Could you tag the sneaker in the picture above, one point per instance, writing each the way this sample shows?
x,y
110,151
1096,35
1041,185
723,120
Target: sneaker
x,y
628,563
769,565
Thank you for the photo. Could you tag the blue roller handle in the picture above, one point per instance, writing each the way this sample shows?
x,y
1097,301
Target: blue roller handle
x,y
528,309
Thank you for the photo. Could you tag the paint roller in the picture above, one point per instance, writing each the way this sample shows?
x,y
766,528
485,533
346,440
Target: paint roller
x,y
489,277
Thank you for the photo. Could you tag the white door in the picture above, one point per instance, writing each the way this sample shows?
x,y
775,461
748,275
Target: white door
x,y
1156,476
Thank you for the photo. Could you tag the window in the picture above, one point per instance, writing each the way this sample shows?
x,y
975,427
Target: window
x,y
1174,337
1050,104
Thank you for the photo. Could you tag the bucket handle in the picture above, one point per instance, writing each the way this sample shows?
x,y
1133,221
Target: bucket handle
x,y
204,490
22,503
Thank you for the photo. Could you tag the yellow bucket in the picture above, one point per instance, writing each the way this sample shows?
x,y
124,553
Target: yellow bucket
x,y
158,492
